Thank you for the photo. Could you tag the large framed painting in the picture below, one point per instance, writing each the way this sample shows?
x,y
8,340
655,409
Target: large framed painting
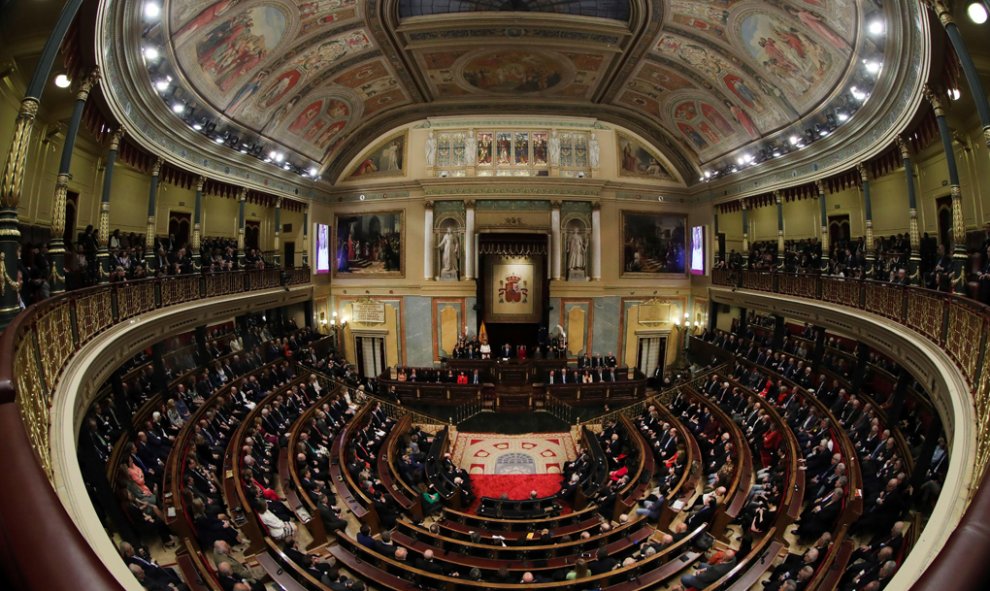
x,y
369,244
653,243
387,159
636,160
514,289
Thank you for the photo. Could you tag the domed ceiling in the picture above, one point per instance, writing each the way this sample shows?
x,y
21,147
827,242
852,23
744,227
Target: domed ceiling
x,y
321,78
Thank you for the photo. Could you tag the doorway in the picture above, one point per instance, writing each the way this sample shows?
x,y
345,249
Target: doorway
x,y
651,352
838,228
370,355
944,207
179,223
289,256
252,234
71,207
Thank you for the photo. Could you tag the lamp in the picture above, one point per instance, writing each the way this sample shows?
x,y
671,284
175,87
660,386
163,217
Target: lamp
x,y
977,12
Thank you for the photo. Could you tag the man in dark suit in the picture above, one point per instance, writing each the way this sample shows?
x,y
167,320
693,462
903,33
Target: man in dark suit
x,y
708,574
506,351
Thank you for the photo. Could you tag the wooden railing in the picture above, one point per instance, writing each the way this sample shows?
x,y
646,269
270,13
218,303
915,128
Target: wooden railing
x,y
956,324
34,350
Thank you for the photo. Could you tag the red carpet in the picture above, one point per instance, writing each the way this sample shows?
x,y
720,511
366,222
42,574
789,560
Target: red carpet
x,y
517,486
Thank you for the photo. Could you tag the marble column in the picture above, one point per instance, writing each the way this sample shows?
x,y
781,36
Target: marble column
x,y
555,247
959,256
305,252
241,226
277,257
979,95
913,233
745,235
102,252
780,228
428,241
469,270
596,241
149,234
12,178
823,212
56,245
197,224
864,177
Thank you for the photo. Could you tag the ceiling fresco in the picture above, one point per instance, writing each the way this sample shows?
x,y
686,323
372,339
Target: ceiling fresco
x,y
702,78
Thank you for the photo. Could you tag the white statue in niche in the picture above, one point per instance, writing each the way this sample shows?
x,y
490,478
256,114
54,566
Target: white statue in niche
x,y
577,246
431,149
470,149
554,148
449,254
594,150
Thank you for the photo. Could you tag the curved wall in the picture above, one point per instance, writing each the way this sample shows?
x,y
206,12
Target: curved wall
x,y
932,367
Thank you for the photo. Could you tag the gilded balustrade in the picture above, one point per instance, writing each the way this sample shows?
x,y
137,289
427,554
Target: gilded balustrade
x,y
44,337
925,313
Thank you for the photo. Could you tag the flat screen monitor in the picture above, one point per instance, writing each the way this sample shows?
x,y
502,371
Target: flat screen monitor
x,y
322,248
698,250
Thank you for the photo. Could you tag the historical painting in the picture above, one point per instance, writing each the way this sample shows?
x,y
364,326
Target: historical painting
x,y
636,161
514,290
368,243
653,242
798,62
510,71
386,160
234,47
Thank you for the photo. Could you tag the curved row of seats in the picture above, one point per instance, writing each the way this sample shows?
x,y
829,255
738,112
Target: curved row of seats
x,y
899,458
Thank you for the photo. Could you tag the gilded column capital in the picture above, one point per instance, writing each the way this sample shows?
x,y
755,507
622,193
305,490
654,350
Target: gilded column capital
x,y
156,168
864,174
469,203
820,185
87,84
115,138
428,204
199,183
242,195
555,204
902,145
935,99
278,203
743,204
777,197
596,206
942,12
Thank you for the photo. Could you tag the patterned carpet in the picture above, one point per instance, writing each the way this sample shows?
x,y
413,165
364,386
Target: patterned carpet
x,y
494,454
513,465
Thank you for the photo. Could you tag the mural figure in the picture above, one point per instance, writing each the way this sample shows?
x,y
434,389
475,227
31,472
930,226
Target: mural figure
x,y
511,71
306,117
237,45
386,160
204,18
636,160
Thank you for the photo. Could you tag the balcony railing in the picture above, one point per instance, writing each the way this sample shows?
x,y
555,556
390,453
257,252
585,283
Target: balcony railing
x,y
34,350
954,323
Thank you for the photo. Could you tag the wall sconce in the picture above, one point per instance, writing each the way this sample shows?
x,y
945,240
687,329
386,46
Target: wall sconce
x,y
333,319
